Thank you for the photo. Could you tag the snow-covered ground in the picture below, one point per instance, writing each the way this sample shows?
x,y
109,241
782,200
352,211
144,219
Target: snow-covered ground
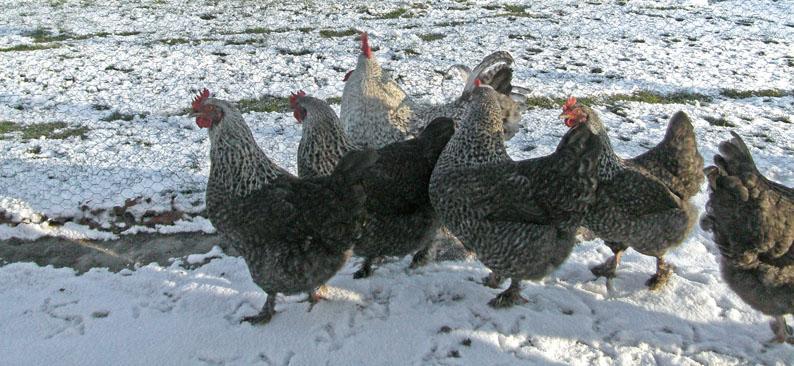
x,y
121,75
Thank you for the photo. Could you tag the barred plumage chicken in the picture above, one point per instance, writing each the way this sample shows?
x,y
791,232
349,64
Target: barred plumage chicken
x,y
294,234
635,208
376,111
401,220
519,217
752,220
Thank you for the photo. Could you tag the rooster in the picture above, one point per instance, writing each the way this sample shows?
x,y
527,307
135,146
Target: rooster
x,y
643,202
294,234
376,111
519,217
752,219
401,220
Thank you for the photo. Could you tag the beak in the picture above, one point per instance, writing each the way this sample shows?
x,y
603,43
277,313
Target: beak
x,y
192,114
566,116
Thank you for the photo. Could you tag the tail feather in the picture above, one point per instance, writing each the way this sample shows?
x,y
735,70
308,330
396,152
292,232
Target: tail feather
x,y
496,58
680,129
735,158
354,162
436,134
582,147
500,78
675,160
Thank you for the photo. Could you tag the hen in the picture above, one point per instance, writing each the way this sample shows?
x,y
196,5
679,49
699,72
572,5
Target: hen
x,y
752,219
637,204
401,219
520,217
376,111
294,234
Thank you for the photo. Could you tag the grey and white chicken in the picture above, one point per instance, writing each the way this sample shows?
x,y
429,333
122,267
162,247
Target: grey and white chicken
x,y
752,220
634,208
519,217
376,111
401,220
294,234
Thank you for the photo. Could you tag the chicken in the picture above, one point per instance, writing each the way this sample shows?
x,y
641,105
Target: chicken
x,y
294,234
401,219
752,220
376,111
520,217
636,208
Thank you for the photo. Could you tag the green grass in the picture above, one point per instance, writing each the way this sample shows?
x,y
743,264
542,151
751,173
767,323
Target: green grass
x,y
515,8
44,35
284,51
543,102
116,116
51,130
742,94
174,41
640,96
114,68
453,23
328,33
394,14
265,103
429,37
29,47
718,121
259,30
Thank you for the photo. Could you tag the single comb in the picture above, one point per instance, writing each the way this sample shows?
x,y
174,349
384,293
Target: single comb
x,y
293,98
200,98
569,103
365,45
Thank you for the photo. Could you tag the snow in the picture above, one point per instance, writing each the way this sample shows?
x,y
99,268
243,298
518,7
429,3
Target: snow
x,y
153,57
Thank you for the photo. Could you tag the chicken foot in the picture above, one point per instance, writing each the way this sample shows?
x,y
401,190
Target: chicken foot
x,y
608,268
421,257
492,280
316,296
781,330
511,296
663,272
267,312
366,268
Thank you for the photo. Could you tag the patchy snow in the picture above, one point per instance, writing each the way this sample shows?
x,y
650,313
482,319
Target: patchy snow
x,y
125,72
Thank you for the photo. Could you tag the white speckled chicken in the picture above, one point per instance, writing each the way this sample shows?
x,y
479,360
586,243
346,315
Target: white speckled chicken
x,y
635,208
294,234
376,111
520,217
400,218
752,219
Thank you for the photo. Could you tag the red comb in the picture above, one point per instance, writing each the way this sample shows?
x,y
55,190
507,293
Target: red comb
x,y
477,83
569,103
365,45
293,98
200,98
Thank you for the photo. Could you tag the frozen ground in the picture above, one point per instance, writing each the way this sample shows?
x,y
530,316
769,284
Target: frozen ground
x,y
107,85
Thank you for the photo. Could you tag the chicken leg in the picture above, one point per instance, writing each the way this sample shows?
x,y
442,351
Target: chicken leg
x,y
366,268
267,312
511,296
781,330
492,280
608,268
663,273
422,257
